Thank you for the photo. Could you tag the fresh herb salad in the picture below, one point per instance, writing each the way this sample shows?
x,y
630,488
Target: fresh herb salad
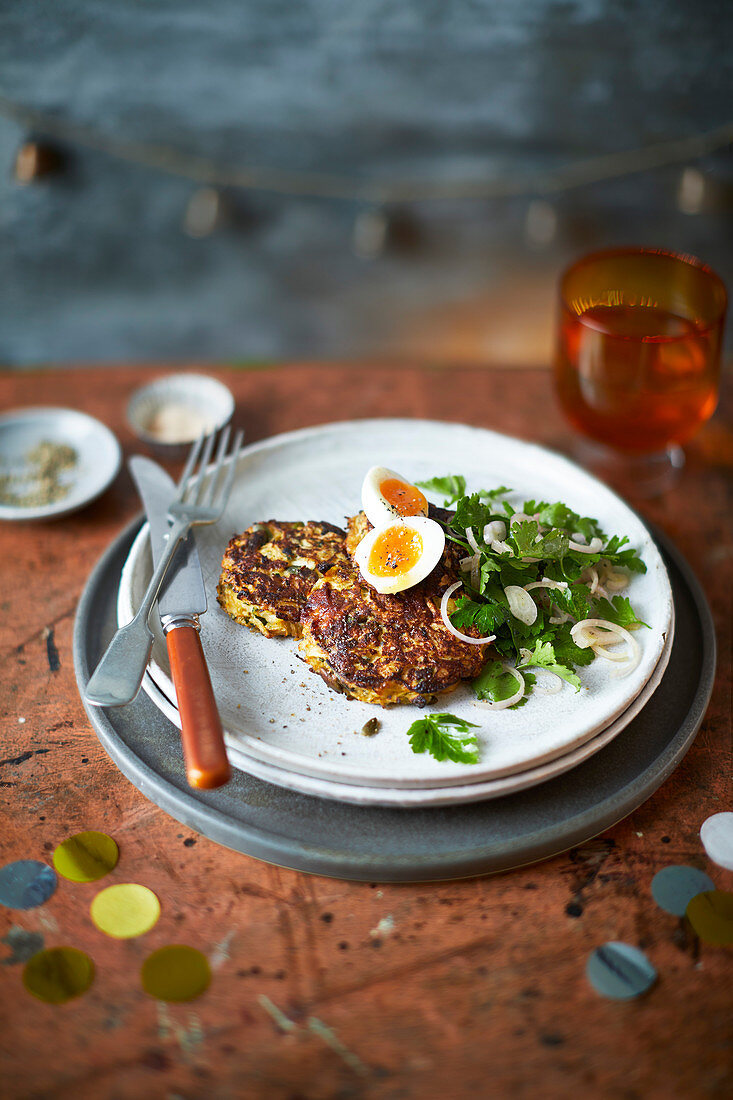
x,y
542,585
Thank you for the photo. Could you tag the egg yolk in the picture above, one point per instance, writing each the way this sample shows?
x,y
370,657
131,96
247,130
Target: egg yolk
x,y
404,498
395,552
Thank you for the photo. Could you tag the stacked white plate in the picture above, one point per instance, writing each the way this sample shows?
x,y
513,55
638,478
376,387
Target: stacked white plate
x,y
284,725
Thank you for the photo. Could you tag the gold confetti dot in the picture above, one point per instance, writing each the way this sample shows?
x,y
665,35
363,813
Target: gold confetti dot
x,y
86,857
711,916
58,974
176,973
125,910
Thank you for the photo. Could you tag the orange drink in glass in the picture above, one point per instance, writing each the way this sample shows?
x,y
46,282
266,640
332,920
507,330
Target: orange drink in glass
x,y
638,350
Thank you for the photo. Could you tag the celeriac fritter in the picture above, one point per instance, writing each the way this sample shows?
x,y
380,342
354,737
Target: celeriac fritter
x,y
269,570
385,649
299,579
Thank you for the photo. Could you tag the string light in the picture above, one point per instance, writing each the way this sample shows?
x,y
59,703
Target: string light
x,y
323,185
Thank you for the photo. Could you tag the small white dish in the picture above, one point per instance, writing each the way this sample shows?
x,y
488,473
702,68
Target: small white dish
x,y
97,463
171,412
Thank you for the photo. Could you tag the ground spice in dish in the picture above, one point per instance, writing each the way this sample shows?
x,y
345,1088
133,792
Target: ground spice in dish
x,y
41,480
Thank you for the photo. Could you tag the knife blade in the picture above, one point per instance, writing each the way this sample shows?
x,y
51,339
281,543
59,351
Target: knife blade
x,y
181,601
183,588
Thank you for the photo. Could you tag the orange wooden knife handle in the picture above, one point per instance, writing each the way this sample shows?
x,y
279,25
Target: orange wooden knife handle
x,y
201,733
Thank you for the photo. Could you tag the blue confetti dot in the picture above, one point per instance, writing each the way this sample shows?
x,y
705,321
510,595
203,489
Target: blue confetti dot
x,y
26,884
673,888
620,971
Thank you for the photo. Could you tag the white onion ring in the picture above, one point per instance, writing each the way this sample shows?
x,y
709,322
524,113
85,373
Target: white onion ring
x,y
449,625
502,704
615,581
472,540
584,635
545,583
500,547
521,604
594,547
495,531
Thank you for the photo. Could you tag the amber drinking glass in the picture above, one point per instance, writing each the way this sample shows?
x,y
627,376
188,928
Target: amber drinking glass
x,y
638,358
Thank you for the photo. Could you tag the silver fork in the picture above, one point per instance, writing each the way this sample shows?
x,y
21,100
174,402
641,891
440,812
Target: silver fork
x,y
117,678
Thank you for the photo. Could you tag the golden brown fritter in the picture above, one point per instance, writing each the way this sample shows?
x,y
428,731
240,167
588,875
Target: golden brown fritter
x,y
268,571
386,649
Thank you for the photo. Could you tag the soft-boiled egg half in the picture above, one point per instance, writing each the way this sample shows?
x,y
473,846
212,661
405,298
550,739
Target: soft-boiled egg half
x,y
397,555
386,496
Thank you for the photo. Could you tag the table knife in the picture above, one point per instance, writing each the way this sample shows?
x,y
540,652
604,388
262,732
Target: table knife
x,y
182,599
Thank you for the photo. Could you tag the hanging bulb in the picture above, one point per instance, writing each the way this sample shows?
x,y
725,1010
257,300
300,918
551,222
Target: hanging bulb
x,y
204,212
371,229
36,159
378,230
540,223
691,191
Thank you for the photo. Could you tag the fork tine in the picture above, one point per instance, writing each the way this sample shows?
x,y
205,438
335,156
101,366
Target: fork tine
x,y
197,483
193,455
208,496
223,496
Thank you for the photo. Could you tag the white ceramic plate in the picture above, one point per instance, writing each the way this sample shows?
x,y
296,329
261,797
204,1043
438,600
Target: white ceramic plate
x,y
98,453
426,796
284,715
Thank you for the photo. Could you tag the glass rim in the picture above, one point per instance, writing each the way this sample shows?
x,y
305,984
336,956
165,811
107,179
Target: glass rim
x,y
630,251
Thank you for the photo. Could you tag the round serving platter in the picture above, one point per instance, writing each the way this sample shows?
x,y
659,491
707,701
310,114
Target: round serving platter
x,y
276,710
371,843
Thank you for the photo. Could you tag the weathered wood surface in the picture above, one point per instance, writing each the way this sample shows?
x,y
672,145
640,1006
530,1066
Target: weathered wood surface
x,y
472,988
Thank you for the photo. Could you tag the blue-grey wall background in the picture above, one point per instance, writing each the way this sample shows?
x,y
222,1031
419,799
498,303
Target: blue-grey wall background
x,y
96,264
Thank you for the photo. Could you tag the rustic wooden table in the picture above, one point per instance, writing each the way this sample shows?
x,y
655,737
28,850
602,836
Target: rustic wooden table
x,y
325,988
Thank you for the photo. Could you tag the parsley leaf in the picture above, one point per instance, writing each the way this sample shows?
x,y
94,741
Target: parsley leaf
x,y
470,512
566,651
453,486
543,656
619,611
486,617
614,553
493,494
445,737
496,683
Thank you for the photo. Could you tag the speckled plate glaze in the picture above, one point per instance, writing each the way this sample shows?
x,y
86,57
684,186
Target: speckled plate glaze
x,y
278,712
98,451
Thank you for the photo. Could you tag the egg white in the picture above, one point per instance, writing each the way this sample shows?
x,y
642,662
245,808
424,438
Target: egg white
x,y
432,538
378,510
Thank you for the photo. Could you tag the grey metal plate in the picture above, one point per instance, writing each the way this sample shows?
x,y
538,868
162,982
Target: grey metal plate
x,y
408,845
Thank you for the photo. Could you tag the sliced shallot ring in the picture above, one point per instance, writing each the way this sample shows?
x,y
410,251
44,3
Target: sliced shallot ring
x,y
593,547
545,583
521,604
502,704
615,581
583,632
472,540
563,617
449,625
495,531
